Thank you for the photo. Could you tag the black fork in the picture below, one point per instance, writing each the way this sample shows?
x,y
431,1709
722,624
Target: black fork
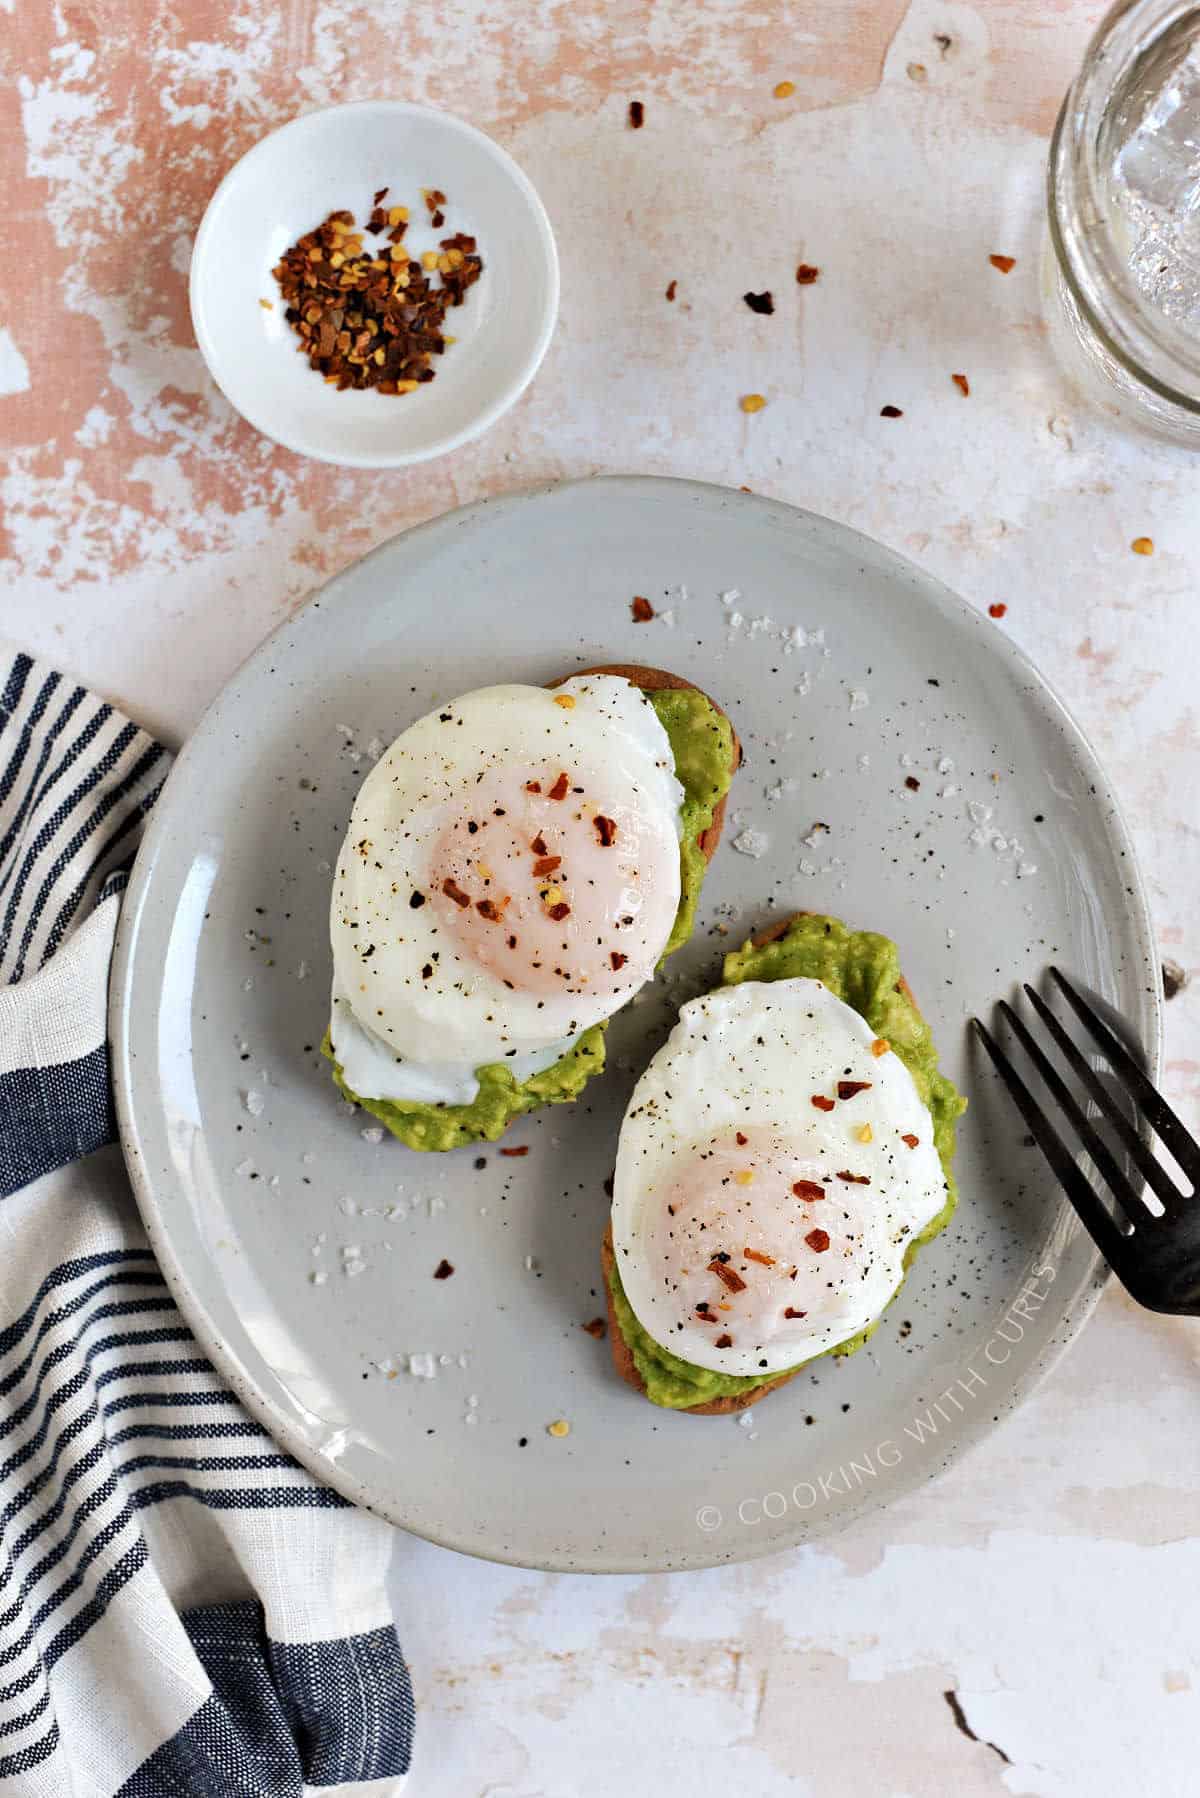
x,y
1156,1256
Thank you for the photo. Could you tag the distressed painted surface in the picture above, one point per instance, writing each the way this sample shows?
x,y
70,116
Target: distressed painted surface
x,y
148,538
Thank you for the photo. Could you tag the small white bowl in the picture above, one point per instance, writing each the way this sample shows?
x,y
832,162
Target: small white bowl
x,y
338,158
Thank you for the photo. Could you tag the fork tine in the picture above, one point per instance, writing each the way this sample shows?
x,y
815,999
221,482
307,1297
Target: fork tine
x,y
1096,1220
1139,1151
1158,1113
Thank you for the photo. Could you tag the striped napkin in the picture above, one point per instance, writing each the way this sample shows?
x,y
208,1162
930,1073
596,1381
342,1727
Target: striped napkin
x,y
184,1612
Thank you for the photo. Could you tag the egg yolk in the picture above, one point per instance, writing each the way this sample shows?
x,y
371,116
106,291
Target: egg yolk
x,y
746,1234
546,886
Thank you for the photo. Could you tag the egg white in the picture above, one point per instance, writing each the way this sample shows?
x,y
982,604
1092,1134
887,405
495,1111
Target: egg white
x,y
746,1060
401,1034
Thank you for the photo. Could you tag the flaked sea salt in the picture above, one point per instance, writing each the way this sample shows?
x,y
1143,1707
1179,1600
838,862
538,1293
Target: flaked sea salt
x,y
751,842
253,1103
373,1133
244,1168
864,762
730,596
978,812
946,765
859,700
422,1366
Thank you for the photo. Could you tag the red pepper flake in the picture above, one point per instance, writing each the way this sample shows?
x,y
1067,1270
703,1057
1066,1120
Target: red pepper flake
x,y
818,1241
606,830
854,1179
763,1260
808,1189
727,1275
822,1103
597,1328
912,1141
760,302
1006,264
912,783
880,1046
963,385
725,1341
546,864
741,1140
434,197
890,412
672,290
453,891
806,274
791,1311
560,911
533,786
641,609
522,1149
487,908
443,1270
637,115
998,609
846,1089
618,960
366,320
560,789
380,197
539,844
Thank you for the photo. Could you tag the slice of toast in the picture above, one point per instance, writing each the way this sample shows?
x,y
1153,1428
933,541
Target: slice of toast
x,y
654,680
622,1355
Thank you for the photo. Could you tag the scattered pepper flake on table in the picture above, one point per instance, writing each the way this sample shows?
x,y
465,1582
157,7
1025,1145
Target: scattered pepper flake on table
x,y
997,609
760,302
597,1328
637,115
1142,546
522,1150
371,319
641,609
890,412
1006,264
818,1241
963,385
672,289
784,90
752,402
912,783
806,274
443,1270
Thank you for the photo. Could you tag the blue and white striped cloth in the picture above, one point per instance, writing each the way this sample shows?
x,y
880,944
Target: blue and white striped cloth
x,y
184,1613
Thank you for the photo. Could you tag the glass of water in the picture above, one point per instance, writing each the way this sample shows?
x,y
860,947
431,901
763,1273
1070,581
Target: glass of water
x,y
1123,273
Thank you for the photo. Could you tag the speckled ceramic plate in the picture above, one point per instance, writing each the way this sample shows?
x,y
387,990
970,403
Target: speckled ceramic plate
x,y
966,816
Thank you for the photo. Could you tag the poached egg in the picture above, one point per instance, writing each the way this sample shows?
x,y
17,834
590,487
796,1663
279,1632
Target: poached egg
x,y
774,1164
509,878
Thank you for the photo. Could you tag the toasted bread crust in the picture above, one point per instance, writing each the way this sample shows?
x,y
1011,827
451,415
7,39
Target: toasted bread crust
x,y
654,680
622,1354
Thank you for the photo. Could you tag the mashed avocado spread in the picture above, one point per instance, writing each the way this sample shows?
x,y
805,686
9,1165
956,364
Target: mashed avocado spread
x,y
863,970
702,744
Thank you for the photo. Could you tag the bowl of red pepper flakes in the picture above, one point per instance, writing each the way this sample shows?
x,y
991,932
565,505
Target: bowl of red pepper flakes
x,y
374,284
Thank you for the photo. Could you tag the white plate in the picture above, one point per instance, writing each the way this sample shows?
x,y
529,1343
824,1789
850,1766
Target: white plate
x,y
228,906
335,160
